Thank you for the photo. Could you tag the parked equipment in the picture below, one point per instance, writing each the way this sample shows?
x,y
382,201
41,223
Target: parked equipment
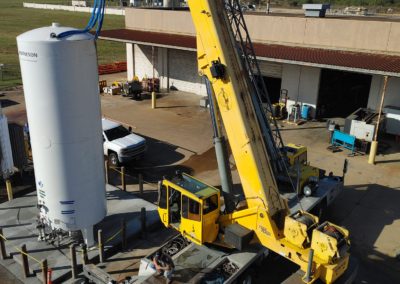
x,y
341,139
305,112
151,84
362,124
392,120
294,113
102,85
279,109
112,90
132,89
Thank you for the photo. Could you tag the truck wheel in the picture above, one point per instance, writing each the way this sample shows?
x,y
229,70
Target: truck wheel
x,y
113,159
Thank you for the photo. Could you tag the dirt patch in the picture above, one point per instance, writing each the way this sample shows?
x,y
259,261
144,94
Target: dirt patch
x,y
206,161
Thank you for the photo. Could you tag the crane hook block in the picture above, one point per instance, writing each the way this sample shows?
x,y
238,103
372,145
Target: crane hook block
x,y
217,70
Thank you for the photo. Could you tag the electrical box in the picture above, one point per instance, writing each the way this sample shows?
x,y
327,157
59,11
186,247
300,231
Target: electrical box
x,y
362,124
362,130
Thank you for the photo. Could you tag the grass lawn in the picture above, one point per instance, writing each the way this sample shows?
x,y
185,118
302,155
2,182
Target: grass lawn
x,y
14,20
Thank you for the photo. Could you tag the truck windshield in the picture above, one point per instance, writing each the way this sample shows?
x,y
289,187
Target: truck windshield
x,y
116,133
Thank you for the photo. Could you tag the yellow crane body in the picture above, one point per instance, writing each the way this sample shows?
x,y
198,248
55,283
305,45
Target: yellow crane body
x,y
194,208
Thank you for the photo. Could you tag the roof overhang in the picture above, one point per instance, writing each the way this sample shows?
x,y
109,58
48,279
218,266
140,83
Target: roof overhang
x,y
173,41
362,62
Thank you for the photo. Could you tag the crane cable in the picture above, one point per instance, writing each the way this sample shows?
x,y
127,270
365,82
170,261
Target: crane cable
x,y
96,18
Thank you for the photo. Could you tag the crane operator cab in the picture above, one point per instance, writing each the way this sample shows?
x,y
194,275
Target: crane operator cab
x,y
190,206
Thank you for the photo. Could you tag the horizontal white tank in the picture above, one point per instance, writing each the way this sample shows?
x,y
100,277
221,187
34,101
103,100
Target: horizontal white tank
x,y
60,79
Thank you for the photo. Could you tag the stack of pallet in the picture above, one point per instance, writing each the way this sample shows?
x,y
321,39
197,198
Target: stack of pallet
x,y
115,67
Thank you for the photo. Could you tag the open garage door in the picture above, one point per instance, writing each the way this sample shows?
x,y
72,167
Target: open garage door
x,y
272,76
341,93
273,87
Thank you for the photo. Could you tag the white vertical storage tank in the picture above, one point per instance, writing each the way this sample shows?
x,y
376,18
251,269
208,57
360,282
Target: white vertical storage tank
x,y
60,80
6,158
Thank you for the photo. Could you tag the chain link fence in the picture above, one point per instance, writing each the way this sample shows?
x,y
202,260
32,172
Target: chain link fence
x,y
9,72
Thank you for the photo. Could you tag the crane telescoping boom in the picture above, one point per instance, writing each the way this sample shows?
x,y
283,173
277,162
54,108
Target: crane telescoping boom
x,y
226,58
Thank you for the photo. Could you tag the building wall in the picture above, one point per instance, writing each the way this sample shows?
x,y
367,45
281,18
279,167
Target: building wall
x,y
143,61
333,33
130,60
302,83
153,20
183,72
392,92
362,34
163,67
176,68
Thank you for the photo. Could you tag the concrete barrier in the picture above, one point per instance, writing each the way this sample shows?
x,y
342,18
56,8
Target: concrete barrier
x,y
108,11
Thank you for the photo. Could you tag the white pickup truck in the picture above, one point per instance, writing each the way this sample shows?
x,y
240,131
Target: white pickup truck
x,y
120,144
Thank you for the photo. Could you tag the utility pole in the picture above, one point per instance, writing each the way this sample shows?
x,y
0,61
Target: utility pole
x,y
374,143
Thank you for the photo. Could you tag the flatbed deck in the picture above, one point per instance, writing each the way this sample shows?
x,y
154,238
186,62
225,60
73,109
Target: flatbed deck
x,y
328,189
195,263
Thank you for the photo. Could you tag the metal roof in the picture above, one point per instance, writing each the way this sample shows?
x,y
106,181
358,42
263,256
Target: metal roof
x,y
150,38
364,62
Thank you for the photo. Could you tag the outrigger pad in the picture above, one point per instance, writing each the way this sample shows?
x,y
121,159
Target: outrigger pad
x,y
238,236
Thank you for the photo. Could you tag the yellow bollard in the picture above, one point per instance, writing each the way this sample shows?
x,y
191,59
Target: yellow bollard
x,y
153,100
123,182
372,152
9,190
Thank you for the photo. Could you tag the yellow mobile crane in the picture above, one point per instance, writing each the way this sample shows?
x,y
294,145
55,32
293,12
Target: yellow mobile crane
x,y
263,217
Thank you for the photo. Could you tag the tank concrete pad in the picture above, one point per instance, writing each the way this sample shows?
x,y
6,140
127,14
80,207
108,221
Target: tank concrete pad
x,y
18,221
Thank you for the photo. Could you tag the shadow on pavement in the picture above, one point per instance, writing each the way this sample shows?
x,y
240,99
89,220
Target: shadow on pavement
x,y
365,210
